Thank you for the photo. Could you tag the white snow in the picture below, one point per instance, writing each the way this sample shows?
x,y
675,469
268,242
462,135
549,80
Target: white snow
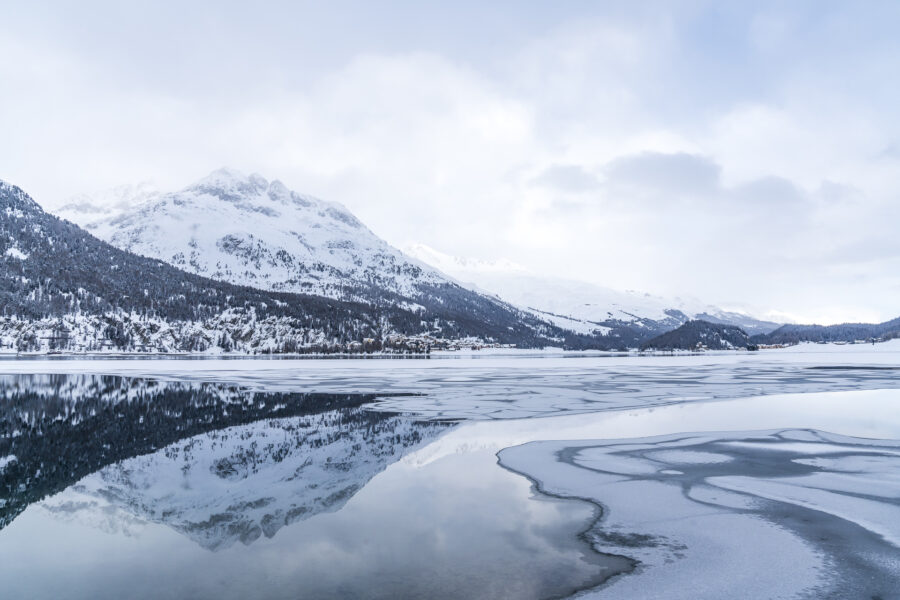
x,y
251,231
5,460
690,551
798,447
14,252
688,457
89,209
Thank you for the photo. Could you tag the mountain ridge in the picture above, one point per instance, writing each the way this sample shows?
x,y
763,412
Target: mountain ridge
x,y
335,287
578,300
252,231
842,332
701,335
55,276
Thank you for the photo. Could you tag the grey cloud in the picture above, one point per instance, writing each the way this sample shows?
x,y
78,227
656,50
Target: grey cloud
x,y
770,191
832,192
891,151
567,178
678,173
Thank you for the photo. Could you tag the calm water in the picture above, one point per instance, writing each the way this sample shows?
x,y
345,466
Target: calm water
x,y
114,487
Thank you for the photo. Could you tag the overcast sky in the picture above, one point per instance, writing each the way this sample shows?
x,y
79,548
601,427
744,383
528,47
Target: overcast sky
x,y
745,153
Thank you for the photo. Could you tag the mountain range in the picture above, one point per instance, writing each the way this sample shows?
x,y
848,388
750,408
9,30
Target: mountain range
x,y
61,287
844,332
251,231
240,263
578,304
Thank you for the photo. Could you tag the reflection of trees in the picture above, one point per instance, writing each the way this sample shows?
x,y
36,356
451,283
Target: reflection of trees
x,y
62,428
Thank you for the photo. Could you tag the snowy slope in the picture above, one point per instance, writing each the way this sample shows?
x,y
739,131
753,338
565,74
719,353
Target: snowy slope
x,y
251,231
573,304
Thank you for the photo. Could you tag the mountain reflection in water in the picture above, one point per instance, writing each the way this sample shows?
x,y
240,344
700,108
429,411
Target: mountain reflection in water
x,y
215,462
116,487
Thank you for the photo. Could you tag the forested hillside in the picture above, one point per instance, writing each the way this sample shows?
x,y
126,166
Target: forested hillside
x,y
698,334
845,332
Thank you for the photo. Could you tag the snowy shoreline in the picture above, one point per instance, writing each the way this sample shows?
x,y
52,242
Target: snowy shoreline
x,y
804,348
512,387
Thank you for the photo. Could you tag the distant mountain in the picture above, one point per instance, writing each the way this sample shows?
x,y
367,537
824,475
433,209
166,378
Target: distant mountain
x,y
61,287
578,305
846,332
698,334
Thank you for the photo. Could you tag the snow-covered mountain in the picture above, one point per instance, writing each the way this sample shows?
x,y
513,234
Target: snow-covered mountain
x,y
63,289
250,231
579,305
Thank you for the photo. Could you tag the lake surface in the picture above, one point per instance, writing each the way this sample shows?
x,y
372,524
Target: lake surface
x,y
237,479
117,487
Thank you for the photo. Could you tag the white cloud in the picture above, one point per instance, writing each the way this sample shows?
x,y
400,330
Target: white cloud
x,y
651,148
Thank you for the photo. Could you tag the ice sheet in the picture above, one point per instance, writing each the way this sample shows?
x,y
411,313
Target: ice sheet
x,y
505,387
759,525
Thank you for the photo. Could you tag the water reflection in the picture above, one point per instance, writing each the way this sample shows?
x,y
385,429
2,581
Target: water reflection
x,y
115,487
55,429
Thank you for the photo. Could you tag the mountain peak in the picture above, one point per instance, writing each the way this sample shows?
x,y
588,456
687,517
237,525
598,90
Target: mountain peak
x,y
230,181
248,230
224,174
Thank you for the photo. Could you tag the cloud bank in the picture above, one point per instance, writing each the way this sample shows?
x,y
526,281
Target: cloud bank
x,y
742,154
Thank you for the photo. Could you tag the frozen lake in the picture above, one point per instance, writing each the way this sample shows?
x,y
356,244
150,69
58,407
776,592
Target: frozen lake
x,y
771,475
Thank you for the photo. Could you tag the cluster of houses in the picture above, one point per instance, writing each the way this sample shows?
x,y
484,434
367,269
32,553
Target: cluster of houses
x,y
424,344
